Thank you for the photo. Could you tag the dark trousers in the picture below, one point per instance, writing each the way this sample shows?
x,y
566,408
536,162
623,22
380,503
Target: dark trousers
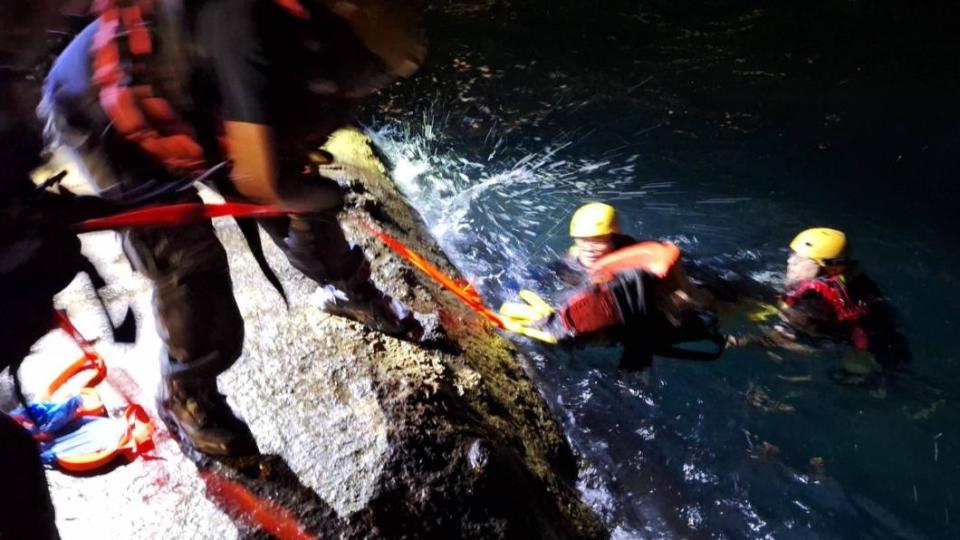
x,y
196,312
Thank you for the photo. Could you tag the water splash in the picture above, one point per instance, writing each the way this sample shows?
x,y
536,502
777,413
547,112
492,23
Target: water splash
x,y
499,209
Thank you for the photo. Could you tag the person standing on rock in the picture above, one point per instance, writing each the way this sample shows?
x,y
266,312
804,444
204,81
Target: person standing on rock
x,y
155,92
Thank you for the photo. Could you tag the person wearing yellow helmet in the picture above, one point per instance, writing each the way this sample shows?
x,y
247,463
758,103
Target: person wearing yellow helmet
x,y
816,252
628,291
595,231
828,298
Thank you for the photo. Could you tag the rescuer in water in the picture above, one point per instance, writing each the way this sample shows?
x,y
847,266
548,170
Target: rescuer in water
x,y
828,299
632,292
155,92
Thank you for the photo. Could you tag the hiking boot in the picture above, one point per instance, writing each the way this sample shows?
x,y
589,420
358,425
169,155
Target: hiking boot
x,y
368,305
201,416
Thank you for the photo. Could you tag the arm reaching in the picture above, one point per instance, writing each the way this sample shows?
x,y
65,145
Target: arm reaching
x,y
255,173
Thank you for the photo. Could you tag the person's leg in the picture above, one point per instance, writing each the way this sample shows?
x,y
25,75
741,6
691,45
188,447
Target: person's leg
x,y
201,327
196,313
315,245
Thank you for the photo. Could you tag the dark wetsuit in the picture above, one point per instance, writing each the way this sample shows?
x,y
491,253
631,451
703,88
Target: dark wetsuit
x,y
246,64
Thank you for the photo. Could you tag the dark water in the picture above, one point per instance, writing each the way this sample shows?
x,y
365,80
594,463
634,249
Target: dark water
x,y
726,127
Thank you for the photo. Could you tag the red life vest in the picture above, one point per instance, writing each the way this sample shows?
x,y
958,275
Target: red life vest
x,y
833,290
122,53
595,308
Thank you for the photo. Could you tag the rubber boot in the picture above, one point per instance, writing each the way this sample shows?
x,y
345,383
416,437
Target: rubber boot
x,y
368,305
199,413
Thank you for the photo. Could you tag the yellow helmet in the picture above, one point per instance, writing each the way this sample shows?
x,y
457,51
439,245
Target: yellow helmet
x,y
820,244
594,219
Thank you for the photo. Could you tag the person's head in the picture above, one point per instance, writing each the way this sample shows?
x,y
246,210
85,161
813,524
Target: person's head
x,y
592,229
816,252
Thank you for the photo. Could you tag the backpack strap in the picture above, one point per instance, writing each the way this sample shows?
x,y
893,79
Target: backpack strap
x,y
122,49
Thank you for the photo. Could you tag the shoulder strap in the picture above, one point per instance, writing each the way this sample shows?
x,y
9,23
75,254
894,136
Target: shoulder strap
x,y
122,49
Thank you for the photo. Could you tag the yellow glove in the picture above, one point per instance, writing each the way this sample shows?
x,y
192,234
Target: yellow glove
x,y
518,317
761,311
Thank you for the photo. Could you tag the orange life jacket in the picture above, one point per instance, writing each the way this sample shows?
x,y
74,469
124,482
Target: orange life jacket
x,y
594,308
655,258
123,51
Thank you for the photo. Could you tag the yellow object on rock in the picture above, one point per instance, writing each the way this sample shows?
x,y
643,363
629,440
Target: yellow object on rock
x,y
820,244
594,219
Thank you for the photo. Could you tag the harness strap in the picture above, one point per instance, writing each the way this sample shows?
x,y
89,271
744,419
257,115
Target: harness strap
x,y
121,49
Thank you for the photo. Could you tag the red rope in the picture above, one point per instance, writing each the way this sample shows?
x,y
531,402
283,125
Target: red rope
x,y
177,214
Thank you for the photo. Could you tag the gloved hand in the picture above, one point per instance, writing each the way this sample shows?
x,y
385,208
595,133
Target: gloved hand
x,y
761,311
530,318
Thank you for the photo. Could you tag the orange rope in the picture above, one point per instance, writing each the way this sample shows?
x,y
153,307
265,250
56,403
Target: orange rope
x,y
463,290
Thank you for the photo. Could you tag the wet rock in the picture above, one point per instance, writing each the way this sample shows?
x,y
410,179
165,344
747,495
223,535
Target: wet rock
x,y
516,477
363,435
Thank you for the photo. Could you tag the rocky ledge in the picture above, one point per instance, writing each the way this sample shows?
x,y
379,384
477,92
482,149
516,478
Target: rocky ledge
x,y
363,435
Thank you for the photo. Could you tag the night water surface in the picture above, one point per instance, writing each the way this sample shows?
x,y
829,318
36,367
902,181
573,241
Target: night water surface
x,y
725,127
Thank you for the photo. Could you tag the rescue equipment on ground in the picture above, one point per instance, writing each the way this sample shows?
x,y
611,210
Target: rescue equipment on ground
x,y
821,244
594,219
70,421
264,514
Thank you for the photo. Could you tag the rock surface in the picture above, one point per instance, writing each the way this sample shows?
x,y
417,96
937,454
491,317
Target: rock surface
x,y
363,435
